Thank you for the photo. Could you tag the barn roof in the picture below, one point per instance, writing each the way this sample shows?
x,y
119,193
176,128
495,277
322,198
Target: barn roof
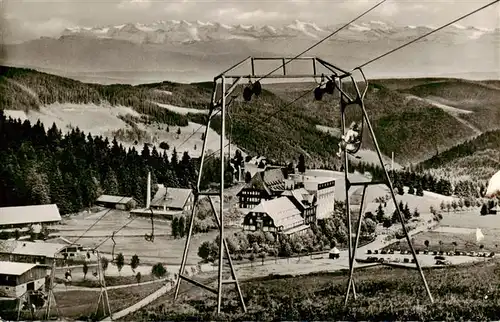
x,y
13,268
171,197
281,210
29,214
114,199
30,248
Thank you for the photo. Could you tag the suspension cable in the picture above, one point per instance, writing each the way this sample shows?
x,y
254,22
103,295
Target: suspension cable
x,y
302,53
115,232
426,35
90,227
271,116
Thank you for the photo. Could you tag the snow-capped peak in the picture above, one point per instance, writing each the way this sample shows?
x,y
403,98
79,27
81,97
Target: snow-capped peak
x,y
357,27
182,31
459,26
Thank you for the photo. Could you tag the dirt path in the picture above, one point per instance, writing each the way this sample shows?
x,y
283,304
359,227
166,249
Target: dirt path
x,y
63,288
453,111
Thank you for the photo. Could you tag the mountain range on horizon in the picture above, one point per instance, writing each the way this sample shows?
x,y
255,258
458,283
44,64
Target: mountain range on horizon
x,y
182,31
185,51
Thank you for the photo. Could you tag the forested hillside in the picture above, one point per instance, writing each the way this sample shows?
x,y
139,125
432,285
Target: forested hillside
x,y
44,166
413,129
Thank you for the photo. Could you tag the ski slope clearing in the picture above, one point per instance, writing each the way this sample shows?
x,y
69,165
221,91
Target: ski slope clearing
x,y
105,120
96,119
182,110
422,203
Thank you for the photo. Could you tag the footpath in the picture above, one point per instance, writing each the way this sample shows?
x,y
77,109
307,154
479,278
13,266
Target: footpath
x,y
98,289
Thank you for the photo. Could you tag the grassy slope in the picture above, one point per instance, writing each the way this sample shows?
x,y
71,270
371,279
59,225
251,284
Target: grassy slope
x,y
411,129
384,294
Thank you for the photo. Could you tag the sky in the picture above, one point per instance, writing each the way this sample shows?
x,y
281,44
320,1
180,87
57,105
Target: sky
x,y
30,19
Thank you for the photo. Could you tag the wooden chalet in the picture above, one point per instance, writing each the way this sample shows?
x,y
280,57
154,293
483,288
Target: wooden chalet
x,y
30,252
265,185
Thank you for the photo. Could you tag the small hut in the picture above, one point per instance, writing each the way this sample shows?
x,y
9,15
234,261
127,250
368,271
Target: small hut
x,y
334,253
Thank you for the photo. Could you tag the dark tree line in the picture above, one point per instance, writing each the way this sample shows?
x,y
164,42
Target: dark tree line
x,y
418,182
72,170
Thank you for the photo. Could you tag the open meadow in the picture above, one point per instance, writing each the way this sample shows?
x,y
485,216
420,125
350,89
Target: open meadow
x,y
130,240
457,231
81,304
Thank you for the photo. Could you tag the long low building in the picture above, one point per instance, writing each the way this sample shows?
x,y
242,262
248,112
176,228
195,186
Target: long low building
x,y
31,252
26,216
18,278
116,202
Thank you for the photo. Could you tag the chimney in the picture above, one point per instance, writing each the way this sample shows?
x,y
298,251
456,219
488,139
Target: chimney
x,y
148,192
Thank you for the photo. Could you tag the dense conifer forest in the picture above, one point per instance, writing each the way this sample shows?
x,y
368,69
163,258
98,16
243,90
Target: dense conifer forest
x,y
42,166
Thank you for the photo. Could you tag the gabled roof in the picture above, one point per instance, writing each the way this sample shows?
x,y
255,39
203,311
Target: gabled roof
x,y
29,214
270,180
171,197
60,240
13,268
30,248
274,179
114,199
281,210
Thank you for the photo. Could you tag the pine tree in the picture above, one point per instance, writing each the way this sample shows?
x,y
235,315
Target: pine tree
x,y
420,191
380,213
301,167
407,212
484,210
411,190
40,188
175,227
182,227
110,184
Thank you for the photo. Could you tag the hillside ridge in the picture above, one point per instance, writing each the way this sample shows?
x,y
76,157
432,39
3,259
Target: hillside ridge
x,y
413,129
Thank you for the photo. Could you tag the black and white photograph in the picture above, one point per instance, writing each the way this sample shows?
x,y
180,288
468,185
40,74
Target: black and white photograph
x,y
249,160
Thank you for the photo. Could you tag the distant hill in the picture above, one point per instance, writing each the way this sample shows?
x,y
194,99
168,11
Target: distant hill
x,y
405,121
480,98
478,158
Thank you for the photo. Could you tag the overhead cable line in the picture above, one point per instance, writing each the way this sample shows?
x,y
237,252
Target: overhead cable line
x,y
91,226
322,40
199,128
427,34
115,232
300,54
271,116
196,131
